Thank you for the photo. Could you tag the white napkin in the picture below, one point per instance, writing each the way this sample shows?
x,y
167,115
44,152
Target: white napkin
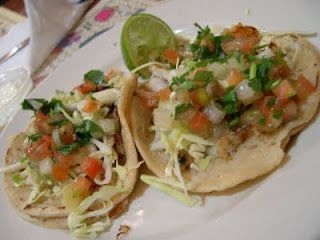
x,y
50,20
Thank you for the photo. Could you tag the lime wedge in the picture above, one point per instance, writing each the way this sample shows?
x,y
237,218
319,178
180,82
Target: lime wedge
x,y
144,37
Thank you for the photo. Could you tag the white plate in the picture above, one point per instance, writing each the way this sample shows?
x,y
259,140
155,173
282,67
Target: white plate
x,y
285,205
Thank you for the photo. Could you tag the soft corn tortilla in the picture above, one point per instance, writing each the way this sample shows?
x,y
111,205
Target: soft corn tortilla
x,y
260,153
51,212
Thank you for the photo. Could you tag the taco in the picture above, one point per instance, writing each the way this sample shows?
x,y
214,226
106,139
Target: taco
x,y
223,108
76,161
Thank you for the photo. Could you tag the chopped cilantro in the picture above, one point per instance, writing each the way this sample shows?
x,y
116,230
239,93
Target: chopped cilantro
x,y
34,137
261,79
229,102
180,108
277,114
17,180
203,51
43,105
59,123
250,58
89,127
205,76
68,148
261,121
271,102
94,76
234,122
85,131
237,55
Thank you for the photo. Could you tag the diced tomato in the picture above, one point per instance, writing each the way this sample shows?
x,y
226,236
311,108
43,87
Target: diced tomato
x,y
60,171
67,133
91,105
284,91
235,77
91,167
151,100
290,111
200,124
86,87
164,94
40,149
42,123
171,56
304,88
199,97
82,185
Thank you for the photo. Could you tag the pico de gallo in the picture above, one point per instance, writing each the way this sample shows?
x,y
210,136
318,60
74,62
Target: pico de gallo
x,y
217,88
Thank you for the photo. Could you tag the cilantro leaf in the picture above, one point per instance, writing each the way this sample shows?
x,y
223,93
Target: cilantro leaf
x,y
34,137
59,123
68,148
229,102
261,78
35,104
180,108
94,76
208,46
89,127
205,76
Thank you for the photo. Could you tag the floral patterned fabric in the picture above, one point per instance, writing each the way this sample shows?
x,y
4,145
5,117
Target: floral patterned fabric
x,y
99,19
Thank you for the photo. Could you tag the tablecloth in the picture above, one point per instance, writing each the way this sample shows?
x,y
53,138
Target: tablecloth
x,y
97,20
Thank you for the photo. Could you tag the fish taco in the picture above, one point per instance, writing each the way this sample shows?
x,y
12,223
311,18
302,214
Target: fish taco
x,y
221,109
76,161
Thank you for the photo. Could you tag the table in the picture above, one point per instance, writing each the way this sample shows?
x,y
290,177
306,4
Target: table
x,y
97,20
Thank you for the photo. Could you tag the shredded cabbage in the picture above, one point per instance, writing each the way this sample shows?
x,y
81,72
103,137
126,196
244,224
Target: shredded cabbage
x,y
166,186
76,220
80,229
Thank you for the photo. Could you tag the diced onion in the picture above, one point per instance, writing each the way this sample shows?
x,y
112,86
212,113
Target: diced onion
x,y
162,118
108,96
214,113
56,137
156,84
246,94
109,126
45,166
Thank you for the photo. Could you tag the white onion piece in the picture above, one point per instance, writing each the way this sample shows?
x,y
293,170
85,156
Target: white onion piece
x,y
246,94
220,70
56,137
45,166
155,84
162,118
158,72
108,125
107,172
108,96
214,113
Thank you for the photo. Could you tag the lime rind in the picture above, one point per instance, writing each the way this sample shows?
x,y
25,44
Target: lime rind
x,y
144,37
